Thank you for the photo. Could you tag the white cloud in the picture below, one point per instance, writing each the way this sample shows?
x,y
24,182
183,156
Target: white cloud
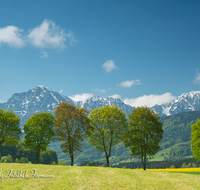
x,y
150,100
197,78
11,35
100,90
48,35
109,66
44,54
81,97
61,91
115,96
129,83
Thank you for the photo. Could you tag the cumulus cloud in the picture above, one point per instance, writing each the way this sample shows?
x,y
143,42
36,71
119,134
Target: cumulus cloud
x,y
115,96
129,83
11,35
44,54
109,66
150,100
48,35
197,78
81,97
100,90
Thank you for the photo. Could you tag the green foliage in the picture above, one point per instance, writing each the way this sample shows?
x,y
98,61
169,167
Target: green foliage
x,y
23,160
48,156
108,124
62,163
17,160
178,128
6,159
21,155
92,163
195,139
177,136
39,132
70,125
189,162
53,163
10,130
144,134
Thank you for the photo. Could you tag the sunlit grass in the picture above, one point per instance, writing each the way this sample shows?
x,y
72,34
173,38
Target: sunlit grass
x,y
77,177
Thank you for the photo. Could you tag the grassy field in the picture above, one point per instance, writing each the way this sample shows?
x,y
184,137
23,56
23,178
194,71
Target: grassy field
x,y
76,177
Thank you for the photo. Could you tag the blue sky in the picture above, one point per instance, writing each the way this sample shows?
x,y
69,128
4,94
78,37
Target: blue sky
x,y
143,52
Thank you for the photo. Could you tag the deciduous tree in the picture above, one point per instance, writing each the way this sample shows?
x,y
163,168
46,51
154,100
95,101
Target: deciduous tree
x,y
144,133
10,131
108,124
39,132
70,126
195,139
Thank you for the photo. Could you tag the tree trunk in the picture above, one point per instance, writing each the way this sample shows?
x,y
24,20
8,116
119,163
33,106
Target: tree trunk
x,y
145,163
107,161
37,156
72,159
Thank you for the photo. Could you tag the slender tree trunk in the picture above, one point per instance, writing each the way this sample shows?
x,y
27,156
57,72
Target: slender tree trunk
x,y
37,156
72,159
107,161
145,163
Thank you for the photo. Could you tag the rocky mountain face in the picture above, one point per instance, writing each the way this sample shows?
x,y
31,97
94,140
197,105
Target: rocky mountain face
x,y
96,102
41,99
183,103
38,99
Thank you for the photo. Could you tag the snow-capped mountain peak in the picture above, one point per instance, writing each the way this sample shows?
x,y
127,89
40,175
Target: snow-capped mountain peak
x,y
183,103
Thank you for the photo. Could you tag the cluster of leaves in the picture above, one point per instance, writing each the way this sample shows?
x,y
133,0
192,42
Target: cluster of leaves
x,y
39,132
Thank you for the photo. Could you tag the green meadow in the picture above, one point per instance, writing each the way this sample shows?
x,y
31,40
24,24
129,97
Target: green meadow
x,y
77,177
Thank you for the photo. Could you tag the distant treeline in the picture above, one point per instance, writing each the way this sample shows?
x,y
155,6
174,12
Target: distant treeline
x,y
185,163
19,154
92,163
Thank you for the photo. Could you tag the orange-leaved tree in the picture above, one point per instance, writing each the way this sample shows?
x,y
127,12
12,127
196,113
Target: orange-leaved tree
x,y
70,125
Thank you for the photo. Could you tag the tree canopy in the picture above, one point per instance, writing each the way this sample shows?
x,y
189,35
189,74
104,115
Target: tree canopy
x,y
10,130
70,125
39,132
195,139
108,124
144,133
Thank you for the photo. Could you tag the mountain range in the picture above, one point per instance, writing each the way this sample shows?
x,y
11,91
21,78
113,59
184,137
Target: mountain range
x,y
41,99
176,126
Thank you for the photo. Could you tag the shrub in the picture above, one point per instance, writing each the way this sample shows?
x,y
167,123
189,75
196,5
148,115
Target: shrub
x,y
62,163
17,160
172,166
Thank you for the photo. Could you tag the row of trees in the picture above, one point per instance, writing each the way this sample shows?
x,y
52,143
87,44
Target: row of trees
x,y
104,128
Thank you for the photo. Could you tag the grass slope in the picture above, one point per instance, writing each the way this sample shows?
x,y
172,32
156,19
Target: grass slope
x,y
76,177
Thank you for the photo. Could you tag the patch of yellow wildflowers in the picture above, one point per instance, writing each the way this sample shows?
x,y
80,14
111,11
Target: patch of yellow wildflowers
x,y
175,170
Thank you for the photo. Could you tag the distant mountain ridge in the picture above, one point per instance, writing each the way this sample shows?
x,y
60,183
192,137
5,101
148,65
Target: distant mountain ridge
x,y
183,103
41,98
